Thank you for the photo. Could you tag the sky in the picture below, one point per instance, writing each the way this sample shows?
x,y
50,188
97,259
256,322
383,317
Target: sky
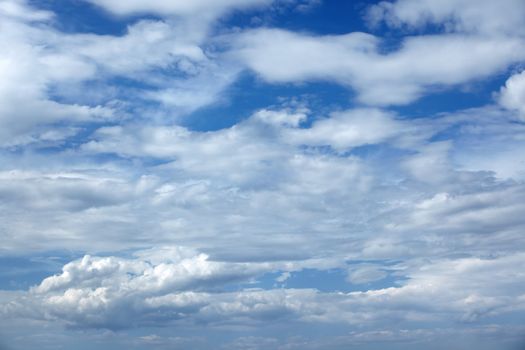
x,y
262,174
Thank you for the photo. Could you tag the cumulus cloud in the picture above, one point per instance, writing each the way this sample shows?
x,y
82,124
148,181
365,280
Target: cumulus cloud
x,y
157,285
111,292
512,95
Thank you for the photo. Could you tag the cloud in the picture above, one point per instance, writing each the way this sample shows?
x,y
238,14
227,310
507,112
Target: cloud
x,y
266,142
365,274
341,131
178,7
289,118
18,9
282,184
26,71
355,60
158,285
471,213
431,163
63,191
487,140
50,77
350,129
484,16
184,286
414,221
512,95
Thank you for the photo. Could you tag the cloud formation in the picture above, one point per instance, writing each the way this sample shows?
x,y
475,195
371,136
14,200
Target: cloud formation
x,y
355,60
174,284
259,174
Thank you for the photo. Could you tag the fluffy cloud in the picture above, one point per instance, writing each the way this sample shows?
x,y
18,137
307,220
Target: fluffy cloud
x,y
269,182
254,137
512,95
267,142
480,40
50,77
355,60
25,73
156,285
350,129
186,287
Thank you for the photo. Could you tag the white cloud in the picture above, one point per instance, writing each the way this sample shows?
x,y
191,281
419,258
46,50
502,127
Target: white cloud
x,y
487,139
93,165
355,60
18,9
111,292
349,129
50,77
365,273
146,44
431,163
470,213
483,16
26,72
265,194
512,95
252,138
63,191
203,8
282,117
241,153
118,293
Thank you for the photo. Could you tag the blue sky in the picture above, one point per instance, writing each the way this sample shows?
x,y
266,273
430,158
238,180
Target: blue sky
x,y
262,174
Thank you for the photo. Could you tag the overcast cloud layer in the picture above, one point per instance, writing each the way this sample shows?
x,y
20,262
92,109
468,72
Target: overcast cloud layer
x,y
266,174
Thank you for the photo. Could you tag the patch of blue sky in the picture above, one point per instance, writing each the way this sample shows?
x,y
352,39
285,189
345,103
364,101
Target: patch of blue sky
x,y
454,98
379,152
101,91
22,272
329,17
83,17
332,280
249,94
